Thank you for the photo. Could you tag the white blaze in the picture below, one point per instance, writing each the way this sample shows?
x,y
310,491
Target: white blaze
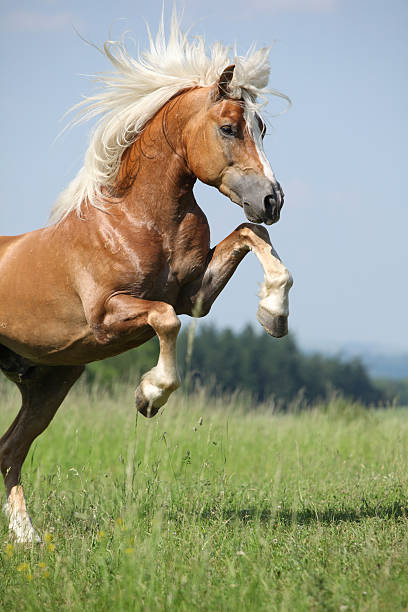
x,y
256,134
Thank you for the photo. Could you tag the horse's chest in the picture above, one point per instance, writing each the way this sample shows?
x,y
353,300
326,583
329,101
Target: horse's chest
x,y
188,257
155,264
190,268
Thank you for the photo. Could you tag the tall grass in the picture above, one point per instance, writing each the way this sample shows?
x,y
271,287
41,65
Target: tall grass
x,y
212,505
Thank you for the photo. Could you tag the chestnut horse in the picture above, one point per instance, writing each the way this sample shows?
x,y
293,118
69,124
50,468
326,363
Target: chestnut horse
x,y
129,248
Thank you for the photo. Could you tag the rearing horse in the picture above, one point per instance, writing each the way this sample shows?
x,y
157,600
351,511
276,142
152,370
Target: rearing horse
x,y
129,248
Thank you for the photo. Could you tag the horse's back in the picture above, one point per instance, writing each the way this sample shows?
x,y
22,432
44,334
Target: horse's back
x,y
9,251
5,241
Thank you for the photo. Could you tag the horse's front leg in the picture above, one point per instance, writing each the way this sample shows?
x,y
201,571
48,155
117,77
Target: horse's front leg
x,y
124,317
198,297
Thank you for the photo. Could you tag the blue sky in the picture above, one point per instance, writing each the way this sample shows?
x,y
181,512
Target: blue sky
x,y
340,152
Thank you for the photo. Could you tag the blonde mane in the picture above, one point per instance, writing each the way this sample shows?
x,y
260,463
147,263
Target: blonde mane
x,y
131,95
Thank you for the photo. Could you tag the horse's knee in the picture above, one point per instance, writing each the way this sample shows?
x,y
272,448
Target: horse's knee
x,y
247,230
164,320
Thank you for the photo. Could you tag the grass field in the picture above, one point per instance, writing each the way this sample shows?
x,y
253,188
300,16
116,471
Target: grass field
x,y
211,506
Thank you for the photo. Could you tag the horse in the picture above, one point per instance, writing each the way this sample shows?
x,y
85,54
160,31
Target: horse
x,y
128,249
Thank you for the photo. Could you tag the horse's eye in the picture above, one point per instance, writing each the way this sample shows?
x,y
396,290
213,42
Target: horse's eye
x,y
228,130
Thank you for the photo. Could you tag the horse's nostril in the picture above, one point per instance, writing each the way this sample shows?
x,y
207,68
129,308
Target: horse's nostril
x,y
270,206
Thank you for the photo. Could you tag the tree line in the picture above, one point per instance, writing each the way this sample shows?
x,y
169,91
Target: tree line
x,y
227,360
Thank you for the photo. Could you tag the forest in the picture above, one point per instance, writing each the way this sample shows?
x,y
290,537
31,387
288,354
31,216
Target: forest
x,y
226,361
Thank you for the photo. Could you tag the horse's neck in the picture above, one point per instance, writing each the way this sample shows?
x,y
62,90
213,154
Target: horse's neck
x,y
154,174
160,174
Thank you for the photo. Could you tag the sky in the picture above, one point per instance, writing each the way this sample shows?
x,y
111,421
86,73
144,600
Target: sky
x,y
340,152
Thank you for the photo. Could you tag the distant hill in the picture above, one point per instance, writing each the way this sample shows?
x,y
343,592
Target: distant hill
x,y
386,366
379,363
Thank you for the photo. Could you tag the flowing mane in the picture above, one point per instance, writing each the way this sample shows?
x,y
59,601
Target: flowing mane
x,y
131,95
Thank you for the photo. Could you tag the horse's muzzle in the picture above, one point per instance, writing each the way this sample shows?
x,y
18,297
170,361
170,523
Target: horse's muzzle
x,y
270,213
261,199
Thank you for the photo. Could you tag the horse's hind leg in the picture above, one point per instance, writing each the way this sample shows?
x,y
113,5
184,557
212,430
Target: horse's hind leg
x,y
43,389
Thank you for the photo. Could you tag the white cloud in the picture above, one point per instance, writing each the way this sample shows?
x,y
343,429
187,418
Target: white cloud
x,y
27,21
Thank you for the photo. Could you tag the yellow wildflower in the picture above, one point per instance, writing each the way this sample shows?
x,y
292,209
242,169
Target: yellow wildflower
x,y
44,569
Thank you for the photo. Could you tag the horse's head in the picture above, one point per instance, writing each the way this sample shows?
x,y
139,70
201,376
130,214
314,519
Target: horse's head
x,y
224,148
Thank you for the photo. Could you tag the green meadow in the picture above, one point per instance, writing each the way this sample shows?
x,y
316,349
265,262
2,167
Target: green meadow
x,y
212,505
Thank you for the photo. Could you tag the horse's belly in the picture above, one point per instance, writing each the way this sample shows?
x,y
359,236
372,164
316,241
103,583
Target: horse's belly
x,y
79,347
38,337
50,327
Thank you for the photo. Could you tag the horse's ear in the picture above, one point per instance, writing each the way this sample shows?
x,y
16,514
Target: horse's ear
x,y
223,82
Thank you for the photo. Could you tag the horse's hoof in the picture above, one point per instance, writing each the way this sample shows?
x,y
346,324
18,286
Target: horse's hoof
x,y
21,530
25,540
143,405
24,533
275,325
